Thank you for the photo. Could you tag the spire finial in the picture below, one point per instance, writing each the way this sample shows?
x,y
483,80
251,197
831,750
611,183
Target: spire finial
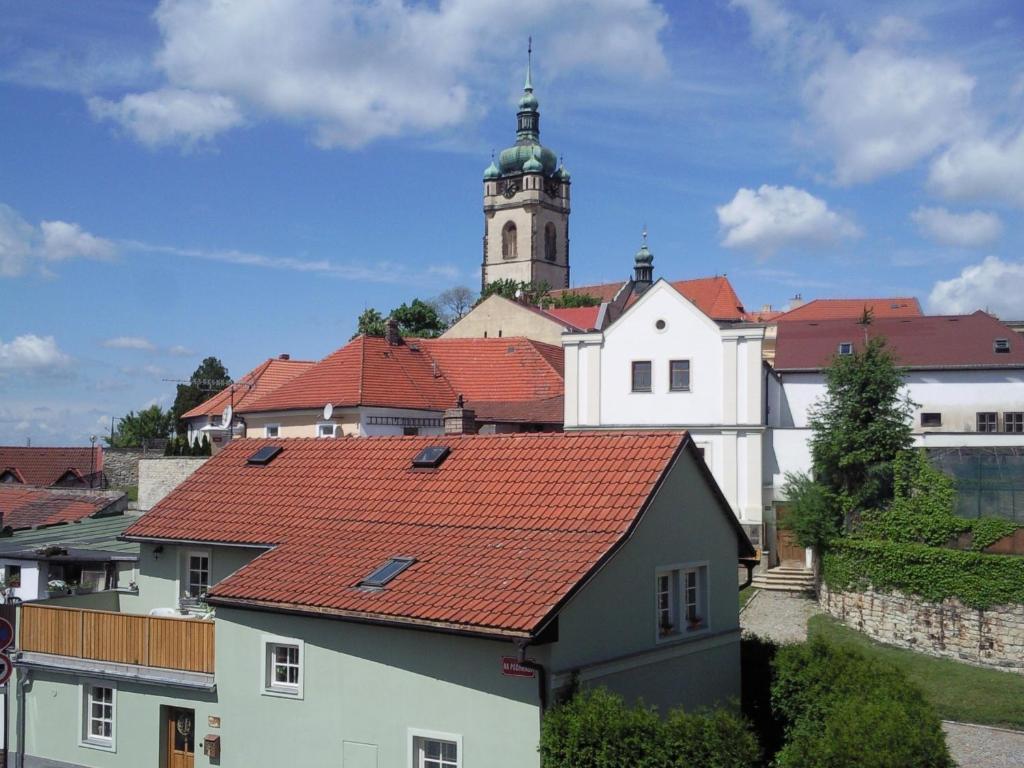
x,y
529,64
645,233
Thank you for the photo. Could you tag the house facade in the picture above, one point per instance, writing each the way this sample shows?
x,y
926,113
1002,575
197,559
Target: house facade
x,y
383,603
664,363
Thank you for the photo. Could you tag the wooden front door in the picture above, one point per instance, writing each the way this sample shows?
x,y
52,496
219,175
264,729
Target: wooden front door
x,y
790,553
181,727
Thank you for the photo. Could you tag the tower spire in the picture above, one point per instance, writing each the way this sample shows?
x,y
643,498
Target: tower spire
x,y
529,64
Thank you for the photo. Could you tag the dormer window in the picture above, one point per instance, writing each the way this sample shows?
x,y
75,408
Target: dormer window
x,y
1001,346
846,348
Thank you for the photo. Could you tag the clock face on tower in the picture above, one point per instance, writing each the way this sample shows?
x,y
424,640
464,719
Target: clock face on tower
x,y
510,189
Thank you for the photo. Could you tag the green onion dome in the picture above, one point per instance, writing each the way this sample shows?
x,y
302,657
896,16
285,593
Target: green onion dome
x,y
491,171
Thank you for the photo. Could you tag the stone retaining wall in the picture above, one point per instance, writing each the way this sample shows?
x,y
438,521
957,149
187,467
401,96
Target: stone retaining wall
x,y
121,465
989,638
158,477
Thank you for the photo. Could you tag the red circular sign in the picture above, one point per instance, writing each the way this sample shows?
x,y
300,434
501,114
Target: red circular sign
x,y
5,669
6,634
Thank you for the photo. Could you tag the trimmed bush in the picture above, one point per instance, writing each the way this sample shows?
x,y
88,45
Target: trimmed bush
x,y
842,709
595,729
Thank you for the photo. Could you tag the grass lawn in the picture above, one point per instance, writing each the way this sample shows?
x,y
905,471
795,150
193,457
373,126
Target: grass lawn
x,y
745,595
958,691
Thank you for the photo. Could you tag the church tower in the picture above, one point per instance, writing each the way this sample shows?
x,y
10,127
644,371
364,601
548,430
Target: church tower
x,y
526,206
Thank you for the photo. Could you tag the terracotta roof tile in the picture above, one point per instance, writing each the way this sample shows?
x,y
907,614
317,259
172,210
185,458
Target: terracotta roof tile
x,y
579,318
22,507
931,341
264,378
502,531
838,309
714,296
45,466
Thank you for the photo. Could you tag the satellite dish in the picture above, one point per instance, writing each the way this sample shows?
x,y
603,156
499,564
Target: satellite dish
x,y
226,416
328,411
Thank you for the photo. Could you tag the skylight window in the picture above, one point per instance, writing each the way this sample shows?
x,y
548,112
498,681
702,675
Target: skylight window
x,y
1001,346
387,572
264,455
846,348
431,457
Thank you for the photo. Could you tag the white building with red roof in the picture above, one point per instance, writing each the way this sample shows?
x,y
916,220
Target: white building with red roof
x,y
374,600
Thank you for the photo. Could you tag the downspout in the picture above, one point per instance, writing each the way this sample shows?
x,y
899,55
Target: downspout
x,y
24,681
750,564
542,675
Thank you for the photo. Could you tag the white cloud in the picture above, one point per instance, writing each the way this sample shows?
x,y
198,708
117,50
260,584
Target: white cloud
x,y
993,285
31,354
963,230
170,115
881,112
130,342
62,240
357,70
179,350
772,217
23,246
982,169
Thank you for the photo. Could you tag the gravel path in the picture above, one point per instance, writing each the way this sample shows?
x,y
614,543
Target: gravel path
x,y
780,616
975,746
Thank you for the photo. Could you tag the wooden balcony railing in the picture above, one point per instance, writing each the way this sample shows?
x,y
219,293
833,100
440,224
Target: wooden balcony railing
x,y
151,641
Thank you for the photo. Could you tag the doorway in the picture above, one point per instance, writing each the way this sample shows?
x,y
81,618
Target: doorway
x,y
791,554
180,727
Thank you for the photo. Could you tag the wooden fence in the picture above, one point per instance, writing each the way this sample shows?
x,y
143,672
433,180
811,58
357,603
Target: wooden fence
x,y
151,641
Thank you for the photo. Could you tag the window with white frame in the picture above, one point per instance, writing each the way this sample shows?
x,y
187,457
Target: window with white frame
x,y
429,752
987,421
680,600
845,348
641,376
198,574
325,430
282,673
98,716
273,430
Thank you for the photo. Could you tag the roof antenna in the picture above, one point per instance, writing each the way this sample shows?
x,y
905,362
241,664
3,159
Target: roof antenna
x,y
529,64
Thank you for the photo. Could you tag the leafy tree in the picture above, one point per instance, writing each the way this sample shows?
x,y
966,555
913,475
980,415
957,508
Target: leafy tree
x,y
136,429
370,323
206,448
859,428
516,290
418,319
209,378
813,515
572,300
454,303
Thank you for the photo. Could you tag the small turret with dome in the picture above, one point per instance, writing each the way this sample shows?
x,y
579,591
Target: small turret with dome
x,y
643,265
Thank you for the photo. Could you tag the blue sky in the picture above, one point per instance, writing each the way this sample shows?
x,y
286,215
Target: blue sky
x,y
187,178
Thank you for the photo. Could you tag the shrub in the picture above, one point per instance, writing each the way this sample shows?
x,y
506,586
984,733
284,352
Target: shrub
x,y
842,709
595,729
757,656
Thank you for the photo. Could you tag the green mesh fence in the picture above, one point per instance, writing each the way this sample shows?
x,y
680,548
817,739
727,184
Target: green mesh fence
x,y
989,481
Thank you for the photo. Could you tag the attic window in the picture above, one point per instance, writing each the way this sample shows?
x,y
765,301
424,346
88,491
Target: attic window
x,y
846,348
387,572
1001,346
264,455
431,457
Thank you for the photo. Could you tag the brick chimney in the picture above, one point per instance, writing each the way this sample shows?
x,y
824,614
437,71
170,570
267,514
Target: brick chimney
x,y
460,420
391,332
284,356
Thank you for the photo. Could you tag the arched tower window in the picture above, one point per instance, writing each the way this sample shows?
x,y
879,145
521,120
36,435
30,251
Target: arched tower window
x,y
550,242
509,248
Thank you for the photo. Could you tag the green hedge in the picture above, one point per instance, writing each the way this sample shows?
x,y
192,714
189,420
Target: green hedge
x,y
933,573
843,710
595,729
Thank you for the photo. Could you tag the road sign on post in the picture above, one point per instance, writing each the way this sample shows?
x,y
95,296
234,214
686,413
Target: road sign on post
x,y
5,669
6,634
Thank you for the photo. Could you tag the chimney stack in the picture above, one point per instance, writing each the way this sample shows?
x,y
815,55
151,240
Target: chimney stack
x,y
391,332
284,356
460,420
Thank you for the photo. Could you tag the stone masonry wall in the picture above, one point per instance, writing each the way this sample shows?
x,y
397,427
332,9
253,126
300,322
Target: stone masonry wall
x,y
160,476
121,465
990,638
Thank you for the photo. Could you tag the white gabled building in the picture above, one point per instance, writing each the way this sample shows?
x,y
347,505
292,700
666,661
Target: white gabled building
x,y
664,363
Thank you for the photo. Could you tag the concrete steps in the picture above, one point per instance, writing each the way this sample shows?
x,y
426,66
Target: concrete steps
x,y
785,579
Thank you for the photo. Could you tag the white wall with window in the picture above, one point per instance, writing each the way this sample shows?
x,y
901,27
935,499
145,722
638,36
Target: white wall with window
x,y
195,577
99,711
664,363
272,430
434,750
283,660
681,600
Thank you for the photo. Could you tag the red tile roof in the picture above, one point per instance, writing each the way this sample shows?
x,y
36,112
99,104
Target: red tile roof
x,y
264,378
425,374
22,507
45,466
837,309
550,410
578,318
714,296
502,532
932,341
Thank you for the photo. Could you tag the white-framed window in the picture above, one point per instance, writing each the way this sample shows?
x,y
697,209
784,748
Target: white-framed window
x,y
845,348
326,430
197,573
283,666
429,749
680,600
640,379
99,709
679,376
272,430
